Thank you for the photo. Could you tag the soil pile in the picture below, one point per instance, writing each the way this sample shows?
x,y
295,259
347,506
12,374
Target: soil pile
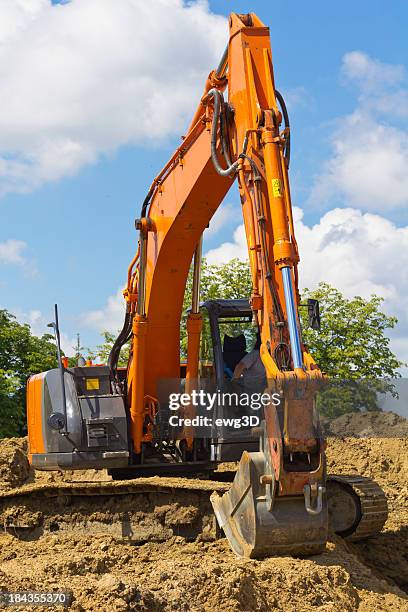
x,y
367,425
14,466
15,470
106,572
386,461
102,574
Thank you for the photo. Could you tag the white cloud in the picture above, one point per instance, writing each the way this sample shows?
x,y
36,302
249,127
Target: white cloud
x,y
355,252
16,16
358,253
368,165
38,323
223,216
369,73
108,318
393,104
229,250
11,252
80,80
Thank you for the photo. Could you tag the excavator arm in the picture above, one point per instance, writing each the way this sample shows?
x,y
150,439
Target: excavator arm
x,y
242,139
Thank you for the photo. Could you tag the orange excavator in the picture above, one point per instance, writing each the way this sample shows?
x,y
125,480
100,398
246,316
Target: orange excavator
x,y
281,499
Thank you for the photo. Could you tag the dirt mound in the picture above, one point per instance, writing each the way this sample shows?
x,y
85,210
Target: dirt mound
x,y
368,424
384,459
104,575
179,569
15,469
14,466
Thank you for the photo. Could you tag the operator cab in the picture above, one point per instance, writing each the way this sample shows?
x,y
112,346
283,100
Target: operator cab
x,y
229,326
229,333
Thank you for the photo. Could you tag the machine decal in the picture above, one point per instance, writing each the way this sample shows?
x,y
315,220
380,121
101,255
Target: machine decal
x,y
277,188
92,384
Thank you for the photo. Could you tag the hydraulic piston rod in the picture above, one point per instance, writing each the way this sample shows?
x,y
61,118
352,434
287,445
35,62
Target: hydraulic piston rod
x,y
293,321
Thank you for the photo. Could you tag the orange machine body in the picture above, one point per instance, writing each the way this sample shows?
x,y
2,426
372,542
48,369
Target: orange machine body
x,y
35,388
181,202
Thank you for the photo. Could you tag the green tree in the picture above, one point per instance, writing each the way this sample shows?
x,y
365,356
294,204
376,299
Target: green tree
x,y
352,344
21,355
353,349
102,351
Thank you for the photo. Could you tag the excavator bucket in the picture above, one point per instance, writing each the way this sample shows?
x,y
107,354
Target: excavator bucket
x,y
257,523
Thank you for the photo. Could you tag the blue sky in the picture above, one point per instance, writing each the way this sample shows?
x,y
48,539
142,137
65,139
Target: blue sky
x,y
96,101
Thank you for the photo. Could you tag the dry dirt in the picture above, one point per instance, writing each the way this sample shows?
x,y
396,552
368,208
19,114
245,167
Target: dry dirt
x,y
173,561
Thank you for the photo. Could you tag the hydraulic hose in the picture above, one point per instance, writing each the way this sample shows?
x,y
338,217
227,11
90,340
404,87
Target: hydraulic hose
x,y
223,65
118,344
285,114
261,217
232,168
146,202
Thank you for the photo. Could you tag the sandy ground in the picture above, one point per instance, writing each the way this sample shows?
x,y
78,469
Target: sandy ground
x,y
172,573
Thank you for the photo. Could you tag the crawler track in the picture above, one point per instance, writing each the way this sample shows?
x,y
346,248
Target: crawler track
x,y
357,506
146,509
156,509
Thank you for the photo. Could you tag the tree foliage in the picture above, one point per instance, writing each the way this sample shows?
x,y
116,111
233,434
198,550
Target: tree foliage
x,y
352,342
352,345
353,349
21,355
102,351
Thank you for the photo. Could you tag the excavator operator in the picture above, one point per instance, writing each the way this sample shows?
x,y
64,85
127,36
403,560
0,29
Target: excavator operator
x,y
250,367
